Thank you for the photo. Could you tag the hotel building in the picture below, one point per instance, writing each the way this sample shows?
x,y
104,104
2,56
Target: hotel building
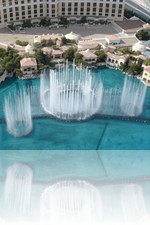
x,y
18,10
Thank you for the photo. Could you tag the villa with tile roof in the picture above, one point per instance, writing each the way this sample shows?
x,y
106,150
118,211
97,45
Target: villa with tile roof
x,y
28,66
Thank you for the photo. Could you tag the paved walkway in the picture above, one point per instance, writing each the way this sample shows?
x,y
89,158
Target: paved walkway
x,y
86,31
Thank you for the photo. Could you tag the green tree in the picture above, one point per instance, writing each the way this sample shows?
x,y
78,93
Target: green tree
x,y
63,21
51,42
37,44
124,66
101,56
45,22
43,43
126,50
83,19
2,52
78,58
42,59
143,34
64,40
10,60
69,54
27,23
147,62
11,26
136,68
22,43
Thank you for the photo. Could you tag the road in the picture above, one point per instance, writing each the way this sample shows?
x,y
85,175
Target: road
x,y
138,8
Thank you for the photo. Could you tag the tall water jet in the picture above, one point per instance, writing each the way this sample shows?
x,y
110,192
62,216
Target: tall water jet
x,y
71,203
111,101
17,110
70,94
133,203
133,96
17,191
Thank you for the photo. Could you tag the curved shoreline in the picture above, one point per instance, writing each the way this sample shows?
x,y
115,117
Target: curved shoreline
x,y
96,116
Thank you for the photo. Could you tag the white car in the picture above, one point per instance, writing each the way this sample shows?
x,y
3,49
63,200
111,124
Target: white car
x,y
22,30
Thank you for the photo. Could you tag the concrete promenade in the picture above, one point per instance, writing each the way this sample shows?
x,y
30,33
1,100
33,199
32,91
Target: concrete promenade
x,y
86,31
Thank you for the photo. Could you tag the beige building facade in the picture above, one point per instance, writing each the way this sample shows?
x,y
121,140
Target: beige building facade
x,y
146,75
114,61
89,56
18,10
28,66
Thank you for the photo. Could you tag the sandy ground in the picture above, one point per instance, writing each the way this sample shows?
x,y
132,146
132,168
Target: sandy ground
x,y
86,31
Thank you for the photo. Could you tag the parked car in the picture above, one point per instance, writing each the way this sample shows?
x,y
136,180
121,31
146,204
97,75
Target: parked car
x,y
54,26
22,30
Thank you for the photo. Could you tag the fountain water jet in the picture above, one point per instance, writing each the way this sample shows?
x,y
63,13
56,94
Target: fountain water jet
x,y
17,109
133,96
133,203
18,189
70,203
111,101
70,94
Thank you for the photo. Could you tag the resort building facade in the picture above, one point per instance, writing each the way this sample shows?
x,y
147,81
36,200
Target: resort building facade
x,y
28,66
146,75
89,56
19,10
114,61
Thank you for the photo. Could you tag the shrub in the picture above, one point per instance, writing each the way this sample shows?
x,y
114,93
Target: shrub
x,y
22,43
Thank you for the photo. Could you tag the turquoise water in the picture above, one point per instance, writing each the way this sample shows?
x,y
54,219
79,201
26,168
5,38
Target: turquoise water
x,y
93,134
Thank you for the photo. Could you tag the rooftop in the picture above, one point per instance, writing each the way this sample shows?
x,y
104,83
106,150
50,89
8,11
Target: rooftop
x,y
47,49
88,54
115,56
38,38
112,37
147,69
87,42
146,25
25,62
130,24
57,52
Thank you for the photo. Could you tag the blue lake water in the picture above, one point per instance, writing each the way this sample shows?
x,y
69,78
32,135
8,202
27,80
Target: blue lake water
x,y
96,133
